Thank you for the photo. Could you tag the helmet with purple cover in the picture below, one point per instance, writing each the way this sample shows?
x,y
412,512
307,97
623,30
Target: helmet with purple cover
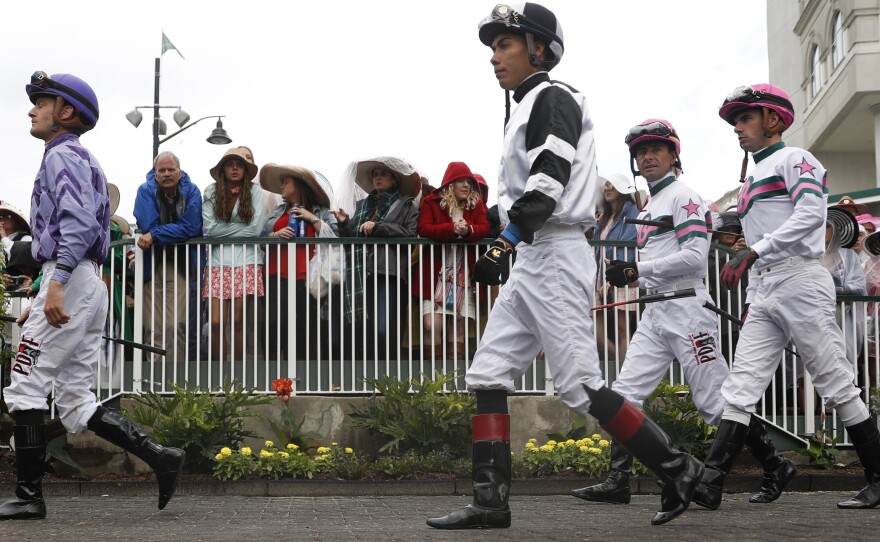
x,y
74,90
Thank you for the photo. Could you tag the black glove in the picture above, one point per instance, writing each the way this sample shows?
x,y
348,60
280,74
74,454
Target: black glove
x,y
493,267
744,315
738,266
620,273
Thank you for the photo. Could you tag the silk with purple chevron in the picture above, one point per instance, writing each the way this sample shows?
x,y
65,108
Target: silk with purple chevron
x,y
70,206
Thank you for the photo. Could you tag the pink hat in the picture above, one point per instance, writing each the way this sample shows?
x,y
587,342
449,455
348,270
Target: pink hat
x,y
650,130
760,95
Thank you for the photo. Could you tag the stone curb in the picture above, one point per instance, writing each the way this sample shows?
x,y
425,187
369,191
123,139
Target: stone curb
x,y
344,488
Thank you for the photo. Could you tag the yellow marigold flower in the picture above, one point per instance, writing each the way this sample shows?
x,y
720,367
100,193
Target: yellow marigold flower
x,y
323,450
322,457
551,443
595,436
560,445
581,442
596,451
530,444
292,446
284,454
265,453
533,440
584,449
546,448
270,444
225,451
334,444
569,442
349,451
219,457
246,451
588,442
534,450
604,443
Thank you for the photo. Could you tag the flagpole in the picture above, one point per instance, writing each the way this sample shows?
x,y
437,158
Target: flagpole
x,y
156,109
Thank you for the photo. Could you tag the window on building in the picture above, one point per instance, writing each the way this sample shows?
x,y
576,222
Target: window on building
x,y
816,75
838,40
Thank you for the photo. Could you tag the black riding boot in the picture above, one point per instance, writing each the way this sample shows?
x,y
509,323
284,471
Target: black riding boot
x,y
166,462
615,488
30,460
778,471
727,444
644,439
866,440
491,478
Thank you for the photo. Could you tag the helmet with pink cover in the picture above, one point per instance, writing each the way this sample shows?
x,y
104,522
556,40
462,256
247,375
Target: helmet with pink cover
x,y
652,130
760,95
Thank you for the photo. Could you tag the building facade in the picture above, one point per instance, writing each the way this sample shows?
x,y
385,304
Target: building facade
x,y
826,54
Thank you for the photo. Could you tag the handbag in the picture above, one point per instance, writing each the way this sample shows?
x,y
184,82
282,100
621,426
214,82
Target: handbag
x,y
325,269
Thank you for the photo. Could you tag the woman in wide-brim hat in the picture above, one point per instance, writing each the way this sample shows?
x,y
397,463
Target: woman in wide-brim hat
x,y
233,207
389,210
305,197
19,266
845,267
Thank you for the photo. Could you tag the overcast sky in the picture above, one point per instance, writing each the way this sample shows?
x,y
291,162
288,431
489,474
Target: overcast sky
x,y
320,84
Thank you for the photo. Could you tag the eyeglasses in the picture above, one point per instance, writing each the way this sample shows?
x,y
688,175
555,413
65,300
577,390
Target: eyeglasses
x,y
655,128
42,80
749,95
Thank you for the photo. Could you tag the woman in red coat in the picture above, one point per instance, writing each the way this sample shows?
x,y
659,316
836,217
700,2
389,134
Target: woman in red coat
x,y
453,214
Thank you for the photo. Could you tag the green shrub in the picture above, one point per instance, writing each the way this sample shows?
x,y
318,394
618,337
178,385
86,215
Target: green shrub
x,y
589,456
197,422
417,415
672,408
411,464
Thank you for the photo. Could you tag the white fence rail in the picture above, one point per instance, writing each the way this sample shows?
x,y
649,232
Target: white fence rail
x,y
383,318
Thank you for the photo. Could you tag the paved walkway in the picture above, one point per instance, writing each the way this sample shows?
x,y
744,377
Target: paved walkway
x,y
796,516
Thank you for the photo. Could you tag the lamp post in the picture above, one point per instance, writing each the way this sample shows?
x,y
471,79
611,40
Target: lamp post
x,y
218,135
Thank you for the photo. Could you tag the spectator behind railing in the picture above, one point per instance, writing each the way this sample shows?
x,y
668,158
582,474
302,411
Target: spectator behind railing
x,y
388,211
168,211
306,198
849,279
454,212
114,271
233,207
20,268
730,301
615,327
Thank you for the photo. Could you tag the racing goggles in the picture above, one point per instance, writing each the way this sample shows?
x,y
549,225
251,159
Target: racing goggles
x,y
506,15
655,128
749,95
503,14
42,80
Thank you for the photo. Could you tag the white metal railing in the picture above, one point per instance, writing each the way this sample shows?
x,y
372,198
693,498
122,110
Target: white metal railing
x,y
328,352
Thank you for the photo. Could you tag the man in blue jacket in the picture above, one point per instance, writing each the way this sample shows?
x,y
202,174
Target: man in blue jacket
x,y
168,210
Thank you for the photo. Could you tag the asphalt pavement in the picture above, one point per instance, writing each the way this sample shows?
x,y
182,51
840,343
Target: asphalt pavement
x,y
796,516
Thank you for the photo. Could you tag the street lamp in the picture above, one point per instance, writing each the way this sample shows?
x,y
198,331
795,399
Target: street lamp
x,y
218,135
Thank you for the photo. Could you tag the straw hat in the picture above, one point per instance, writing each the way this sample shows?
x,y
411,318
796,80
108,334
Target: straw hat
x,y
270,179
114,197
848,204
409,181
250,170
16,212
122,223
846,226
